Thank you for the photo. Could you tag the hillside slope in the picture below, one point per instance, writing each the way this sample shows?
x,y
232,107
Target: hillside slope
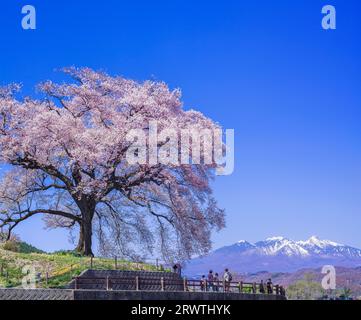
x,y
61,267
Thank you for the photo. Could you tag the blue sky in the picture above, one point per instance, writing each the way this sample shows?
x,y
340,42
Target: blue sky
x,y
290,89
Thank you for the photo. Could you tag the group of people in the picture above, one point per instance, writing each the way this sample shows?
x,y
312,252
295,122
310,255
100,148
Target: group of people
x,y
270,289
213,282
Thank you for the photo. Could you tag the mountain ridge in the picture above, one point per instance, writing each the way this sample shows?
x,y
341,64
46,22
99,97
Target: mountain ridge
x,y
277,254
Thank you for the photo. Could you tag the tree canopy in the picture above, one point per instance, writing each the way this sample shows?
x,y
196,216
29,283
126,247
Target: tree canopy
x,y
65,158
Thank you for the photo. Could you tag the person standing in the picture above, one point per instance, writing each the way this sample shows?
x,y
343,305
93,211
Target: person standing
x,y
216,282
261,287
277,289
227,278
211,280
177,268
269,286
282,291
203,283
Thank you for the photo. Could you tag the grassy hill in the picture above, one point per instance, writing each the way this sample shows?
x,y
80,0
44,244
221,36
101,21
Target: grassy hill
x,y
61,266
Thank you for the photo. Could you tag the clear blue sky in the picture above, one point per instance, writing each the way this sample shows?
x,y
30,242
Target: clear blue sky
x,y
290,89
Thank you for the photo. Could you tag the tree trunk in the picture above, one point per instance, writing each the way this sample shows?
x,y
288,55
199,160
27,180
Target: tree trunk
x,y
86,229
80,246
87,236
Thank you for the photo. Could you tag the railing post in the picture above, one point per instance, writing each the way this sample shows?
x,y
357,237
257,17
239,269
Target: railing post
x,y
224,286
91,262
76,283
46,278
240,286
185,284
254,288
162,284
137,283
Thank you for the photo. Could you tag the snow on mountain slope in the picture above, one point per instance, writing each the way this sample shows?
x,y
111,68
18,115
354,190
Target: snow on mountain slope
x,y
280,245
277,254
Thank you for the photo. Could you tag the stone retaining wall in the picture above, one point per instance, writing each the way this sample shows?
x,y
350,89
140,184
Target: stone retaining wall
x,y
36,294
62,294
162,295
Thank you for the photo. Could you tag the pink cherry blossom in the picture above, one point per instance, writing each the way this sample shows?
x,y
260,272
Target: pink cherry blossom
x,y
65,155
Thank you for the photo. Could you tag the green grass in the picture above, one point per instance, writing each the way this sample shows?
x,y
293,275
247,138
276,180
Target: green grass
x,y
61,267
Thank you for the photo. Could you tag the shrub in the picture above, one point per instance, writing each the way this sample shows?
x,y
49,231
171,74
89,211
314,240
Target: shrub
x,y
12,245
67,253
28,248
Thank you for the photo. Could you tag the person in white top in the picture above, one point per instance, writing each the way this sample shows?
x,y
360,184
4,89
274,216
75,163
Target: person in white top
x,y
227,278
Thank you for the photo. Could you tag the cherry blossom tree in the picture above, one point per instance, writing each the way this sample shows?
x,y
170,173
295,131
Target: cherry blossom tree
x,y
64,157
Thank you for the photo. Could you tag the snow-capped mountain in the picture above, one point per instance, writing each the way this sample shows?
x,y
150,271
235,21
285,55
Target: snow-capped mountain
x,y
277,254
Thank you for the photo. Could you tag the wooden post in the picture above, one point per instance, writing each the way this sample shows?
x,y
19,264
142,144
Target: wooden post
x,y
46,278
116,263
137,283
254,288
240,286
185,284
162,284
108,284
91,262
7,275
76,283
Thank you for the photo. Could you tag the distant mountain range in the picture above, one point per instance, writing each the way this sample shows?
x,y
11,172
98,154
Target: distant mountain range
x,y
276,254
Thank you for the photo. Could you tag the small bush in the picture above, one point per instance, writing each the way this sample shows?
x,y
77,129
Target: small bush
x,y
67,253
11,245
